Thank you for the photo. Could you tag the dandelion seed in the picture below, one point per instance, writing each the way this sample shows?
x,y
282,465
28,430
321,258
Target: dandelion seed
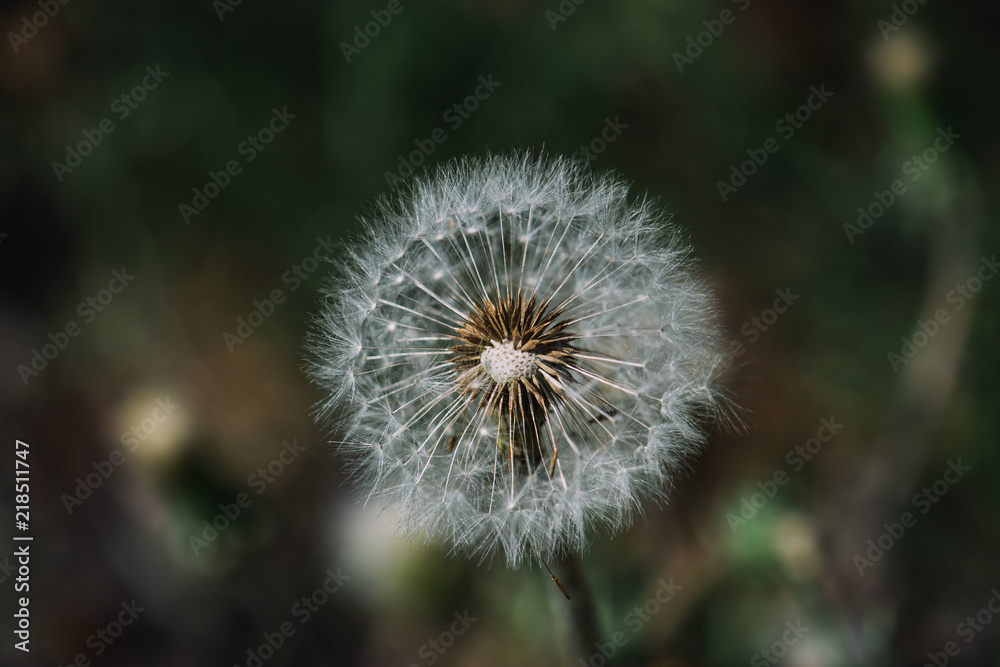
x,y
518,357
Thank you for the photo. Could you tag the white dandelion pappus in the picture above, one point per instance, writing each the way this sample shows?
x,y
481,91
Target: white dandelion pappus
x,y
517,356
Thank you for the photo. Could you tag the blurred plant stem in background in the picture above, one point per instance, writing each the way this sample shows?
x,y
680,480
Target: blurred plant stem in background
x,y
943,212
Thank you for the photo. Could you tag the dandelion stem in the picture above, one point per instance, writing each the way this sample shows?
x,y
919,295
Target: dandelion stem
x,y
581,607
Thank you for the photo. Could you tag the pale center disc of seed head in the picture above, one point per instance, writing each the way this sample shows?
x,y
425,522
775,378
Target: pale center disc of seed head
x,y
505,364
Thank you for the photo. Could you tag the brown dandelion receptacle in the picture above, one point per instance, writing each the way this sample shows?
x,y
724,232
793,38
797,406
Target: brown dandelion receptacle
x,y
516,356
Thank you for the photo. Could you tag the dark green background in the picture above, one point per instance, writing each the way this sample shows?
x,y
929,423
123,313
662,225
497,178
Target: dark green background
x,y
784,229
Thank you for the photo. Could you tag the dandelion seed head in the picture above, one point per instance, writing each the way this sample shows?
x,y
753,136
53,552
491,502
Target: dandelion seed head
x,y
517,357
